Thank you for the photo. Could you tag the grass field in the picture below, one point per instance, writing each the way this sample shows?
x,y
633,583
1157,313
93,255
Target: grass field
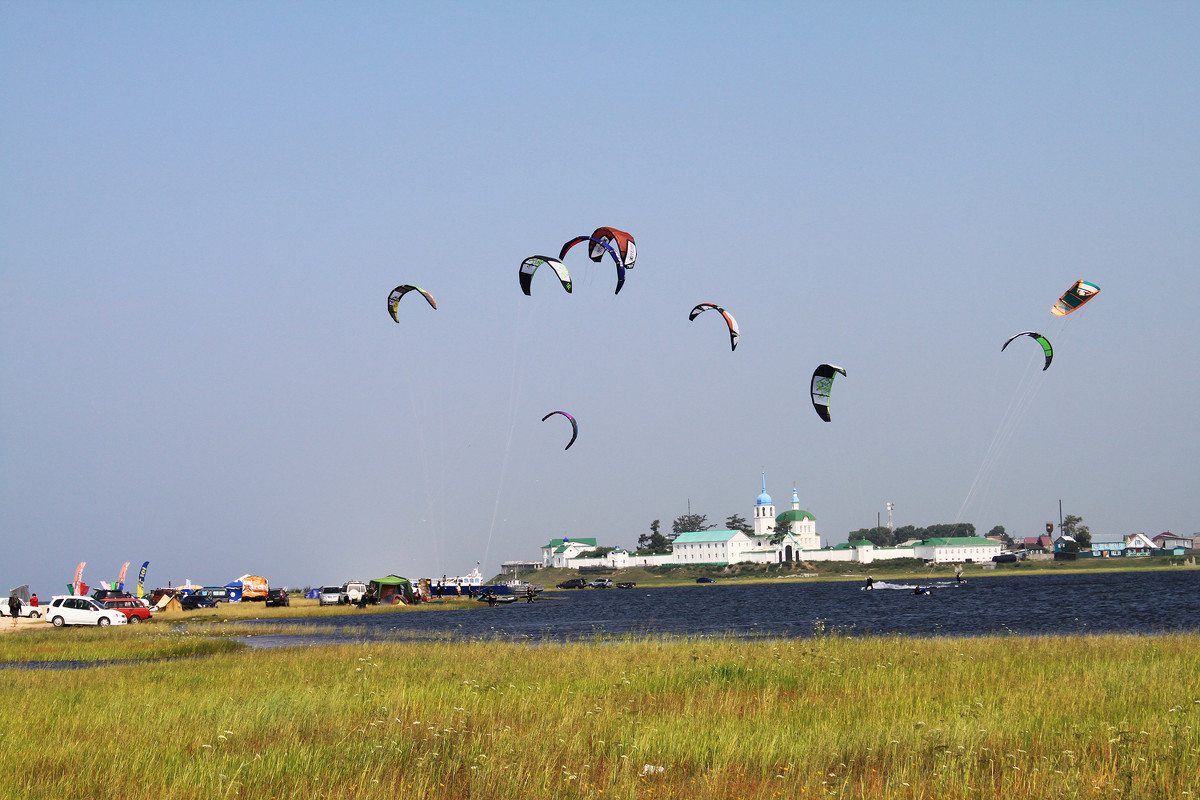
x,y
999,717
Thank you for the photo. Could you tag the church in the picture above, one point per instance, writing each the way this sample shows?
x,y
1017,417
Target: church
x,y
708,547
764,545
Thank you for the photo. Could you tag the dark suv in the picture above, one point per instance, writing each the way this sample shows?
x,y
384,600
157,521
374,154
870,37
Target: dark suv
x,y
573,583
277,597
192,602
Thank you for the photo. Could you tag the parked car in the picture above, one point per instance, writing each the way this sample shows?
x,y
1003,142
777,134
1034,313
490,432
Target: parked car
x,y
330,596
572,583
135,610
77,610
352,592
192,602
626,585
33,612
705,580
602,583
277,597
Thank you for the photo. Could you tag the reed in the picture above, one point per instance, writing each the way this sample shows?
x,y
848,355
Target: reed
x,y
993,717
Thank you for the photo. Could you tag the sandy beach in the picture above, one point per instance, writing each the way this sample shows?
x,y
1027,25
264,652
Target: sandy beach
x,y
23,624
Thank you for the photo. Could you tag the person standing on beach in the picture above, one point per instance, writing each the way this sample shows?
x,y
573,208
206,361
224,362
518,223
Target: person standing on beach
x,y
14,607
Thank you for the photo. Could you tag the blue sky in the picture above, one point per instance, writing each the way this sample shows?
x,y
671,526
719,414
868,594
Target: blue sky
x,y
204,208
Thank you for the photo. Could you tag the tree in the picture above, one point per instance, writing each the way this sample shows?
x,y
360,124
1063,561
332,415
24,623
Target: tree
x,y
949,530
878,536
780,531
653,542
736,522
999,532
686,523
1073,526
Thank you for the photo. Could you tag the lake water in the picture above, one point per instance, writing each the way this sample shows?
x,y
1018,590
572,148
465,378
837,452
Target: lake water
x,y
1091,602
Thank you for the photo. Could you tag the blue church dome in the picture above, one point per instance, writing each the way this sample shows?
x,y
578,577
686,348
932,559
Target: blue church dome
x,y
764,499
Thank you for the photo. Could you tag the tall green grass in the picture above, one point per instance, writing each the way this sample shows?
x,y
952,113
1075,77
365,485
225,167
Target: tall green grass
x,y
998,717
133,642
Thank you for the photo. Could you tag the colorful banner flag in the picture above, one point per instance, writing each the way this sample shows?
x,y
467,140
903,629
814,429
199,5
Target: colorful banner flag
x,y
121,577
141,588
78,578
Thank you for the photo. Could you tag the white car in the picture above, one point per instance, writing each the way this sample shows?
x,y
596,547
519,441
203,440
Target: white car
x,y
76,610
33,612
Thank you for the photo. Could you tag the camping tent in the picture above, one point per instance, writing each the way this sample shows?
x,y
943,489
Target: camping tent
x,y
312,594
169,604
390,588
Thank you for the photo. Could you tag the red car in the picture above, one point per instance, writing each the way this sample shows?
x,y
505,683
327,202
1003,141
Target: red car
x,y
134,610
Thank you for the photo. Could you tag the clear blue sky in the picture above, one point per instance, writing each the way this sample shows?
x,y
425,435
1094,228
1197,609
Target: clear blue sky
x,y
205,206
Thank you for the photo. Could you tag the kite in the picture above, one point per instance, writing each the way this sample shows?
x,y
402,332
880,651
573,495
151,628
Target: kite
x,y
1073,298
729,320
822,384
1042,340
400,291
602,247
574,426
530,265
623,241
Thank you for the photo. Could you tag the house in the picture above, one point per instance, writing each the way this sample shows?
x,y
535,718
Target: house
x,y
560,551
1169,541
1038,544
1138,544
1108,549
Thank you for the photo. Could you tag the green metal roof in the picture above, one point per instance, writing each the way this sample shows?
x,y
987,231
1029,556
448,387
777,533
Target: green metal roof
x,y
795,515
561,542
692,537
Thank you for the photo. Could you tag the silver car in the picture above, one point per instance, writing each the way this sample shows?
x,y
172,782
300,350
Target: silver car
x,y
330,596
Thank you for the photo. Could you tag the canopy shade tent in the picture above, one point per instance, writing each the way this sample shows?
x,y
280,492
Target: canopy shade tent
x,y
389,588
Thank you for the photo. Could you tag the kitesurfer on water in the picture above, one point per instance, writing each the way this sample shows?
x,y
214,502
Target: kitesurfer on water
x,y
870,582
921,590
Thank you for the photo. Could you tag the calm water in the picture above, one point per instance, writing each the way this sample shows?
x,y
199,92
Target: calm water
x,y
1148,602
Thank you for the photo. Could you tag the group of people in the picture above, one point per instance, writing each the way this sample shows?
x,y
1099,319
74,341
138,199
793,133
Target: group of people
x,y
14,606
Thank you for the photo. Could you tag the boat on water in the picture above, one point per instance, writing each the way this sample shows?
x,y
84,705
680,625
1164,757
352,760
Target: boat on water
x,y
493,599
472,585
